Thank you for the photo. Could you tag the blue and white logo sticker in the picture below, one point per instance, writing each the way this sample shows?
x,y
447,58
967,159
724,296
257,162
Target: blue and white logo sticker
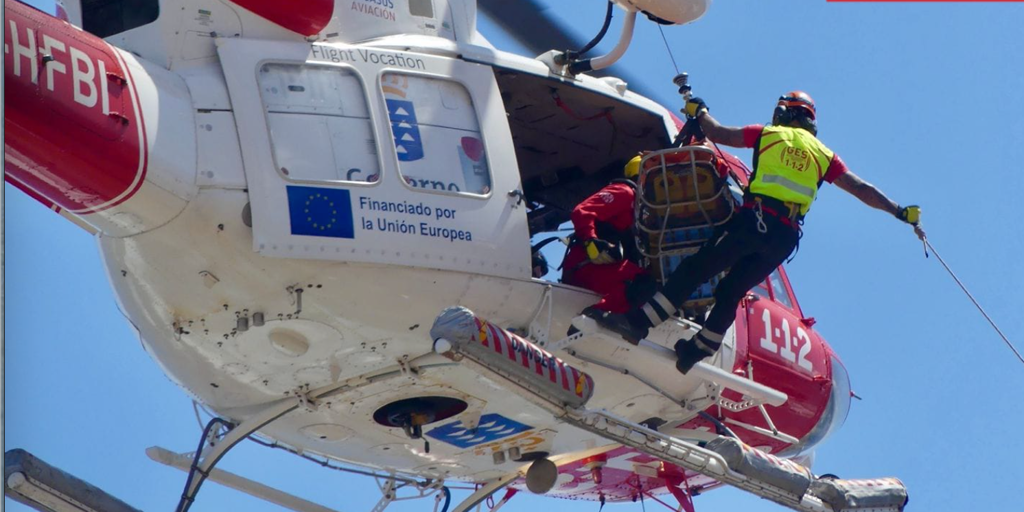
x,y
492,428
408,142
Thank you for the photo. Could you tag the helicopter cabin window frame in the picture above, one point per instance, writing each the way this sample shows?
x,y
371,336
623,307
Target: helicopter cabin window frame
x,y
105,18
391,122
761,290
782,290
372,124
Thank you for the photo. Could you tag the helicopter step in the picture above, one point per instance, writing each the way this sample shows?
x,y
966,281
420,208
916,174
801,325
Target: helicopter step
x,y
658,346
540,377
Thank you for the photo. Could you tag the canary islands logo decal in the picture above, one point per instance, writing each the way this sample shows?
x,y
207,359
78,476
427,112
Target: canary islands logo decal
x,y
318,211
492,428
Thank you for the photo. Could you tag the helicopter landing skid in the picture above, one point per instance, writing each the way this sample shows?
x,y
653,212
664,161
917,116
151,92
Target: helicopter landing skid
x,y
220,435
389,486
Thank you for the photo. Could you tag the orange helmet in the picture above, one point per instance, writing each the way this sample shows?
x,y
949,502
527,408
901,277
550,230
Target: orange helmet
x,y
798,99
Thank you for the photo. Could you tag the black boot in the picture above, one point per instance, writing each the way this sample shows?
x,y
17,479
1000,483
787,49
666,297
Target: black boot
x,y
628,325
692,351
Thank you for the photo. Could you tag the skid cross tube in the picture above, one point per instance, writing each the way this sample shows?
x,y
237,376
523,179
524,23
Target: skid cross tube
x,y
205,459
486,491
211,449
239,483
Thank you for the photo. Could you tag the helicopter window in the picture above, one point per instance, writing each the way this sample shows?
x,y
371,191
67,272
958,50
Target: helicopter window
x,y
779,290
437,134
421,8
571,141
761,290
108,17
320,127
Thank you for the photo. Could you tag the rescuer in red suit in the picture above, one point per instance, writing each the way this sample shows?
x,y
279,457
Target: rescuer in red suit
x,y
603,254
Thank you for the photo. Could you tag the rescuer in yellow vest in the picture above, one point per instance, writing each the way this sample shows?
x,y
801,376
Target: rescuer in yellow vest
x,y
790,163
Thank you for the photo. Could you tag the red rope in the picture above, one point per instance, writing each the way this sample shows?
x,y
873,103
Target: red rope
x,y
568,110
606,114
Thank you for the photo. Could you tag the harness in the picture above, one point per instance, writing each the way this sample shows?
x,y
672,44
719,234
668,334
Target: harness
x,y
762,205
788,213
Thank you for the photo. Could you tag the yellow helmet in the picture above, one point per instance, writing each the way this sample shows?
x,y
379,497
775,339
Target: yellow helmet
x,y
632,168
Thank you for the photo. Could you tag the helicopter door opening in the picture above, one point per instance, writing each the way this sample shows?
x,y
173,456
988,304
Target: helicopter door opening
x,y
354,153
571,139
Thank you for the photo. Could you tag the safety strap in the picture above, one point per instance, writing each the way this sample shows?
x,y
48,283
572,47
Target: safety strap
x,y
757,205
569,242
625,181
540,245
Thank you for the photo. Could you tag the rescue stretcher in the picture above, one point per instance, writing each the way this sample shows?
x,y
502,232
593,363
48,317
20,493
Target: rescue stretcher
x,y
682,197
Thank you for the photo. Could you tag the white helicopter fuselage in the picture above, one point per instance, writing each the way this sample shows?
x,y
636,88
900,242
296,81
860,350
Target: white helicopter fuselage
x,y
336,308
295,213
285,203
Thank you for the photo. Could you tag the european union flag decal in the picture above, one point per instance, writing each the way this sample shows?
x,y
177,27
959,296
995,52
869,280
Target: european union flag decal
x,y
492,427
317,211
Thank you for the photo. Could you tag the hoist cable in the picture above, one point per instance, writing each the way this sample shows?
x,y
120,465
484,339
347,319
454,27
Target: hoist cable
x,y
663,38
964,288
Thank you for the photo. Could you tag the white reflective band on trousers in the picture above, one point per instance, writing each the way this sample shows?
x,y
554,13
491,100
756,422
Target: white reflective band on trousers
x,y
788,183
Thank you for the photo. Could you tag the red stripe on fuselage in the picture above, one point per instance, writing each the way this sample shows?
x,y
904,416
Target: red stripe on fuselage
x,y
73,128
306,17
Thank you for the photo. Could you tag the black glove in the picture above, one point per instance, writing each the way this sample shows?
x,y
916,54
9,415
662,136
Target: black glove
x,y
694,107
691,133
600,251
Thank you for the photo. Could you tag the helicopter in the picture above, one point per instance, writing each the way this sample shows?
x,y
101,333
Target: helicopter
x,y
294,151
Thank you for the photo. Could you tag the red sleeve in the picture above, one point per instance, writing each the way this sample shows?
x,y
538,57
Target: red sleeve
x,y
750,134
613,200
836,168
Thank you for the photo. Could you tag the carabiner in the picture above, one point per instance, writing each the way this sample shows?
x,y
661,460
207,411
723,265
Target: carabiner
x,y
759,213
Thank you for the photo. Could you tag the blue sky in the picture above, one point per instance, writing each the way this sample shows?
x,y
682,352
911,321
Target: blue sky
x,y
923,100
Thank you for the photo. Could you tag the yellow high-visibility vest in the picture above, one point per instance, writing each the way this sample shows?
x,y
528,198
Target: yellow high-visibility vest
x,y
790,165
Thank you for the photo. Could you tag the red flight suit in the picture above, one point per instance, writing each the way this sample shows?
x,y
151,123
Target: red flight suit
x,y
613,205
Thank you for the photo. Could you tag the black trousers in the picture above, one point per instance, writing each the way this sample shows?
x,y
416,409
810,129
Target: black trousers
x,y
738,245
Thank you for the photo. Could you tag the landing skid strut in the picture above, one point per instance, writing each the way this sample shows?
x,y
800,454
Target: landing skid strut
x,y
221,435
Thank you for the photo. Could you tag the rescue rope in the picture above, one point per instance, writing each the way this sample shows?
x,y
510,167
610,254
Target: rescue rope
x,y
928,245
663,38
